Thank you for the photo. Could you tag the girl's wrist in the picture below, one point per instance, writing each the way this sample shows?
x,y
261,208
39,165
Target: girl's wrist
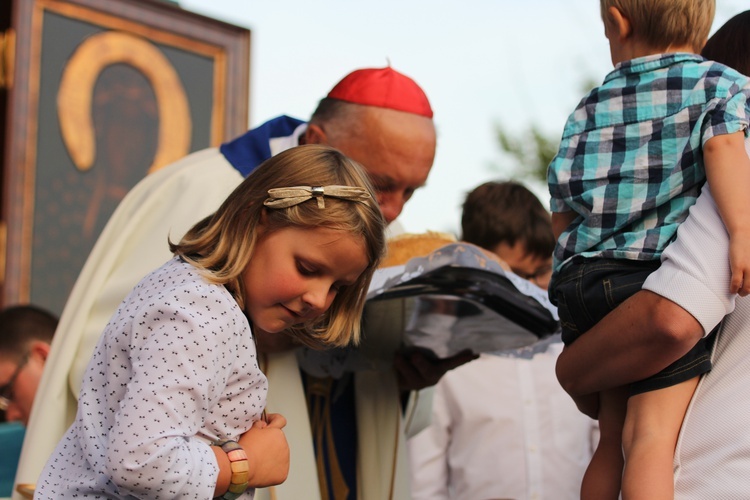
x,y
238,467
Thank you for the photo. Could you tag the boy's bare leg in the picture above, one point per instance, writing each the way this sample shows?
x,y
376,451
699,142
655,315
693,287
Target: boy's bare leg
x,y
604,473
652,426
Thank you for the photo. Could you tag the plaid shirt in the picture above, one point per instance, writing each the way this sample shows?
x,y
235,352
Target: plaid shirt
x,y
630,161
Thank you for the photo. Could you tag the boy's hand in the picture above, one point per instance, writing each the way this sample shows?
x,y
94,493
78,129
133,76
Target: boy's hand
x,y
267,452
728,175
739,263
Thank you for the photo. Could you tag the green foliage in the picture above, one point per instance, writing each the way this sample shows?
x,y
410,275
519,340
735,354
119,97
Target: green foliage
x,y
529,152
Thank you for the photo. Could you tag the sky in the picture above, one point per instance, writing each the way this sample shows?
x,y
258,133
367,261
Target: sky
x,y
482,63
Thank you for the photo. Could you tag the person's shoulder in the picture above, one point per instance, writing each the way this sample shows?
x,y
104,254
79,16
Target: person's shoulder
x,y
178,292
179,282
201,169
580,118
196,167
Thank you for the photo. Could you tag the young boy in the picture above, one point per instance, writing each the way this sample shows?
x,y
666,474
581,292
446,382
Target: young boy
x,y
633,157
510,404
508,220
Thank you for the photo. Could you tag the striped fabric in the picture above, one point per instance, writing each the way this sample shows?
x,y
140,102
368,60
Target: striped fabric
x,y
630,162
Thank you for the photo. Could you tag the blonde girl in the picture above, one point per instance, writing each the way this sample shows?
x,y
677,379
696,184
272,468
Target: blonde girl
x,y
172,401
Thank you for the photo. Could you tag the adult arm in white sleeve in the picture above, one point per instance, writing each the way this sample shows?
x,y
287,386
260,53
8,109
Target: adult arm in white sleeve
x,y
681,301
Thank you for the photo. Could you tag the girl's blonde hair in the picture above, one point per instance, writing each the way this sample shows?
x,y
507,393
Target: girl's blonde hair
x,y
661,23
221,245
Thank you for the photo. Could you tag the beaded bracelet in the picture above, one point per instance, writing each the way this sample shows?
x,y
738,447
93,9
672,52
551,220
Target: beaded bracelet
x,y
240,468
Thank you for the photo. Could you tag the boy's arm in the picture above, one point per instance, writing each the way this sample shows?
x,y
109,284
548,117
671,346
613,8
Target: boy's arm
x,y
728,174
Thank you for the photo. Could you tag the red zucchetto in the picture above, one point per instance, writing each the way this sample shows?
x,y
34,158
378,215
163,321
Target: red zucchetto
x,y
383,88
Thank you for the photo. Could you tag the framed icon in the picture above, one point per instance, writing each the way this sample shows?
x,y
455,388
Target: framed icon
x,y
95,95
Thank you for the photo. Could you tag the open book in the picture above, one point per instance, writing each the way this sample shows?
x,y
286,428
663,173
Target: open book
x,y
453,299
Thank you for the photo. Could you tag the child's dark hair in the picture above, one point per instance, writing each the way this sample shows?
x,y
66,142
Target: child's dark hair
x,y
222,244
507,212
730,45
22,324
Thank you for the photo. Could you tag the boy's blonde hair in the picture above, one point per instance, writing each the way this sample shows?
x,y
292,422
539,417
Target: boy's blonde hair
x,y
222,244
664,23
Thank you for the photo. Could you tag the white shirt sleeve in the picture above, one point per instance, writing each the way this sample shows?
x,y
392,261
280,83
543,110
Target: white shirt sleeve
x,y
185,358
694,272
428,451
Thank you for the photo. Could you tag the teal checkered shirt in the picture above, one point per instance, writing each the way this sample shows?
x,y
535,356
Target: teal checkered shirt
x,y
630,162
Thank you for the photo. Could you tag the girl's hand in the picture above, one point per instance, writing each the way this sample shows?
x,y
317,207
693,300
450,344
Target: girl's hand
x,y
267,452
739,262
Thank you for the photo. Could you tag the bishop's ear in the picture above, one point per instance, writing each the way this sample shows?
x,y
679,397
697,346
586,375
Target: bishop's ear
x,y
315,135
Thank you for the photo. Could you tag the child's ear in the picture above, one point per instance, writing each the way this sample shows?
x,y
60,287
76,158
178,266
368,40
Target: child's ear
x,y
620,24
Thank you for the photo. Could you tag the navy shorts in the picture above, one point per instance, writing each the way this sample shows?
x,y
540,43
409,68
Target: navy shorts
x,y
586,290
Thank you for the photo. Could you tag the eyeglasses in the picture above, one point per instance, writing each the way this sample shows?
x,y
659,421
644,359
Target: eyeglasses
x,y
534,277
6,391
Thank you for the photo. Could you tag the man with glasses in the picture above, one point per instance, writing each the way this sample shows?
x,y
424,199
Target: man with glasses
x,y
25,335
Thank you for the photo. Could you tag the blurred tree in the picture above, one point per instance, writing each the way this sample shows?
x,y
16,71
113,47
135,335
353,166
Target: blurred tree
x,y
530,150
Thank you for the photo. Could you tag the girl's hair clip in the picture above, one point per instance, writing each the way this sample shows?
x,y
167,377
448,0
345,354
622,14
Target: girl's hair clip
x,y
290,196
